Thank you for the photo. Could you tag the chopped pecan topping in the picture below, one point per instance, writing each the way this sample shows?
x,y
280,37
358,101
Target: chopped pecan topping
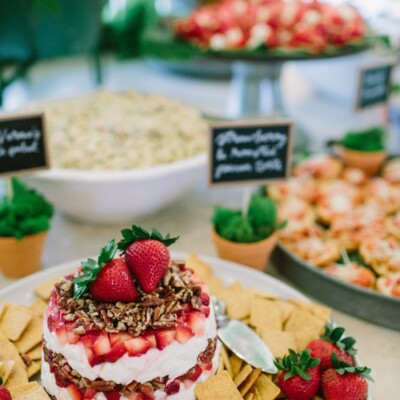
x,y
150,310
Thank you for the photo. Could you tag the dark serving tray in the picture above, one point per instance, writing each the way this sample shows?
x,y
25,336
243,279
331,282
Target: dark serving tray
x,y
355,300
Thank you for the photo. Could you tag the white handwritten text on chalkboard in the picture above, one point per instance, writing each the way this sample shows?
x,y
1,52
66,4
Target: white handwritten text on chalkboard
x,y
249,153
22,144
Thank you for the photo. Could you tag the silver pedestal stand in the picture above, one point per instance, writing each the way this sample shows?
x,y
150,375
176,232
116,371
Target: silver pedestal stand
x,y
256,93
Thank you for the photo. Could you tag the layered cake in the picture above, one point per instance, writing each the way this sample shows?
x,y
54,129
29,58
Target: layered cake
x,y
136,327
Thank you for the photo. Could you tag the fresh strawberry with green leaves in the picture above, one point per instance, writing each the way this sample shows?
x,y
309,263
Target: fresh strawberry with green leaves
x,y
300,377
344,381
333,341
106,279
4,392
146,255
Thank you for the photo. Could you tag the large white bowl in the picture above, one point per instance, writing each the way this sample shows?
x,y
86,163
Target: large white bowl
x,y
117,197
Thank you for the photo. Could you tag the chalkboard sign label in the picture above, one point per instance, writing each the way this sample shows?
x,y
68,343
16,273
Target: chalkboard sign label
x,y
249,152
374,85
23,146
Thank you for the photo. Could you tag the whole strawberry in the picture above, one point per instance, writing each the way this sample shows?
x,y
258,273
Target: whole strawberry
x,y
333,342
345,382
146,255
107,279
4,393
300,378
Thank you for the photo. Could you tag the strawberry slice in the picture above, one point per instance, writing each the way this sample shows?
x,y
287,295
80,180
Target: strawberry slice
x,y
183,334
102,345
193,374
116,352
205,299
150,337
120,337
89,393
89,339
74,393
62,335
172,387
92,358
137,346
113,395
72,338
196,321
165,337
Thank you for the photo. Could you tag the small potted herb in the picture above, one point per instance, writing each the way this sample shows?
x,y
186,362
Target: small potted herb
x,y
247,238
24,222
364,149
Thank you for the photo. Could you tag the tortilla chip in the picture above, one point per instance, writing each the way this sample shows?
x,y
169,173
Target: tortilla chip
x,y
279,341
221,366
3,306
36,353
266,314
249,396
29,391
287,309
305,327
238,300
44,290
8,351
33,368
266,389
242,375
31,337
236,364
257,394
249,382
218,387
39,307
225,357
6,368
315,309
201,269
14,321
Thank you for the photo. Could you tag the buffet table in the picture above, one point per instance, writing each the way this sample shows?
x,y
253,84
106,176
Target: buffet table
x,y
68,240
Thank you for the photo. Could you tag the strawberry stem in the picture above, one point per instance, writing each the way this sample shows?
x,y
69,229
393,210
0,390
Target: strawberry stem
x,y
297,364
335,336
342,367
136,233
91,268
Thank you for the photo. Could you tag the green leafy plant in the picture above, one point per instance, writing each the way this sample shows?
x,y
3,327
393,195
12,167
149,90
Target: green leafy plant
x,y
260,222
372,139
28,212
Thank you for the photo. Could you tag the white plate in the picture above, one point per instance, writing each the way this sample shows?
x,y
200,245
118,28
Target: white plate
x,y
21,292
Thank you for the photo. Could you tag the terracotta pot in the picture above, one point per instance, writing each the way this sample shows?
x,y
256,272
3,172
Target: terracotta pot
x,y
370,162
19,258
255,255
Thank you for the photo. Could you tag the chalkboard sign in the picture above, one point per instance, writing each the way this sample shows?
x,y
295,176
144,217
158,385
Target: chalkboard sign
x,y
374,86
23,145
249,152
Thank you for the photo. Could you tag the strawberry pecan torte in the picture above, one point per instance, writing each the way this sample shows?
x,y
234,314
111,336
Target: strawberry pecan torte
x,y
138,327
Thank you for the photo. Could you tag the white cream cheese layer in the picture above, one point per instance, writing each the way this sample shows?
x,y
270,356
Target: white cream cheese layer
x,y
174,360
49,383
